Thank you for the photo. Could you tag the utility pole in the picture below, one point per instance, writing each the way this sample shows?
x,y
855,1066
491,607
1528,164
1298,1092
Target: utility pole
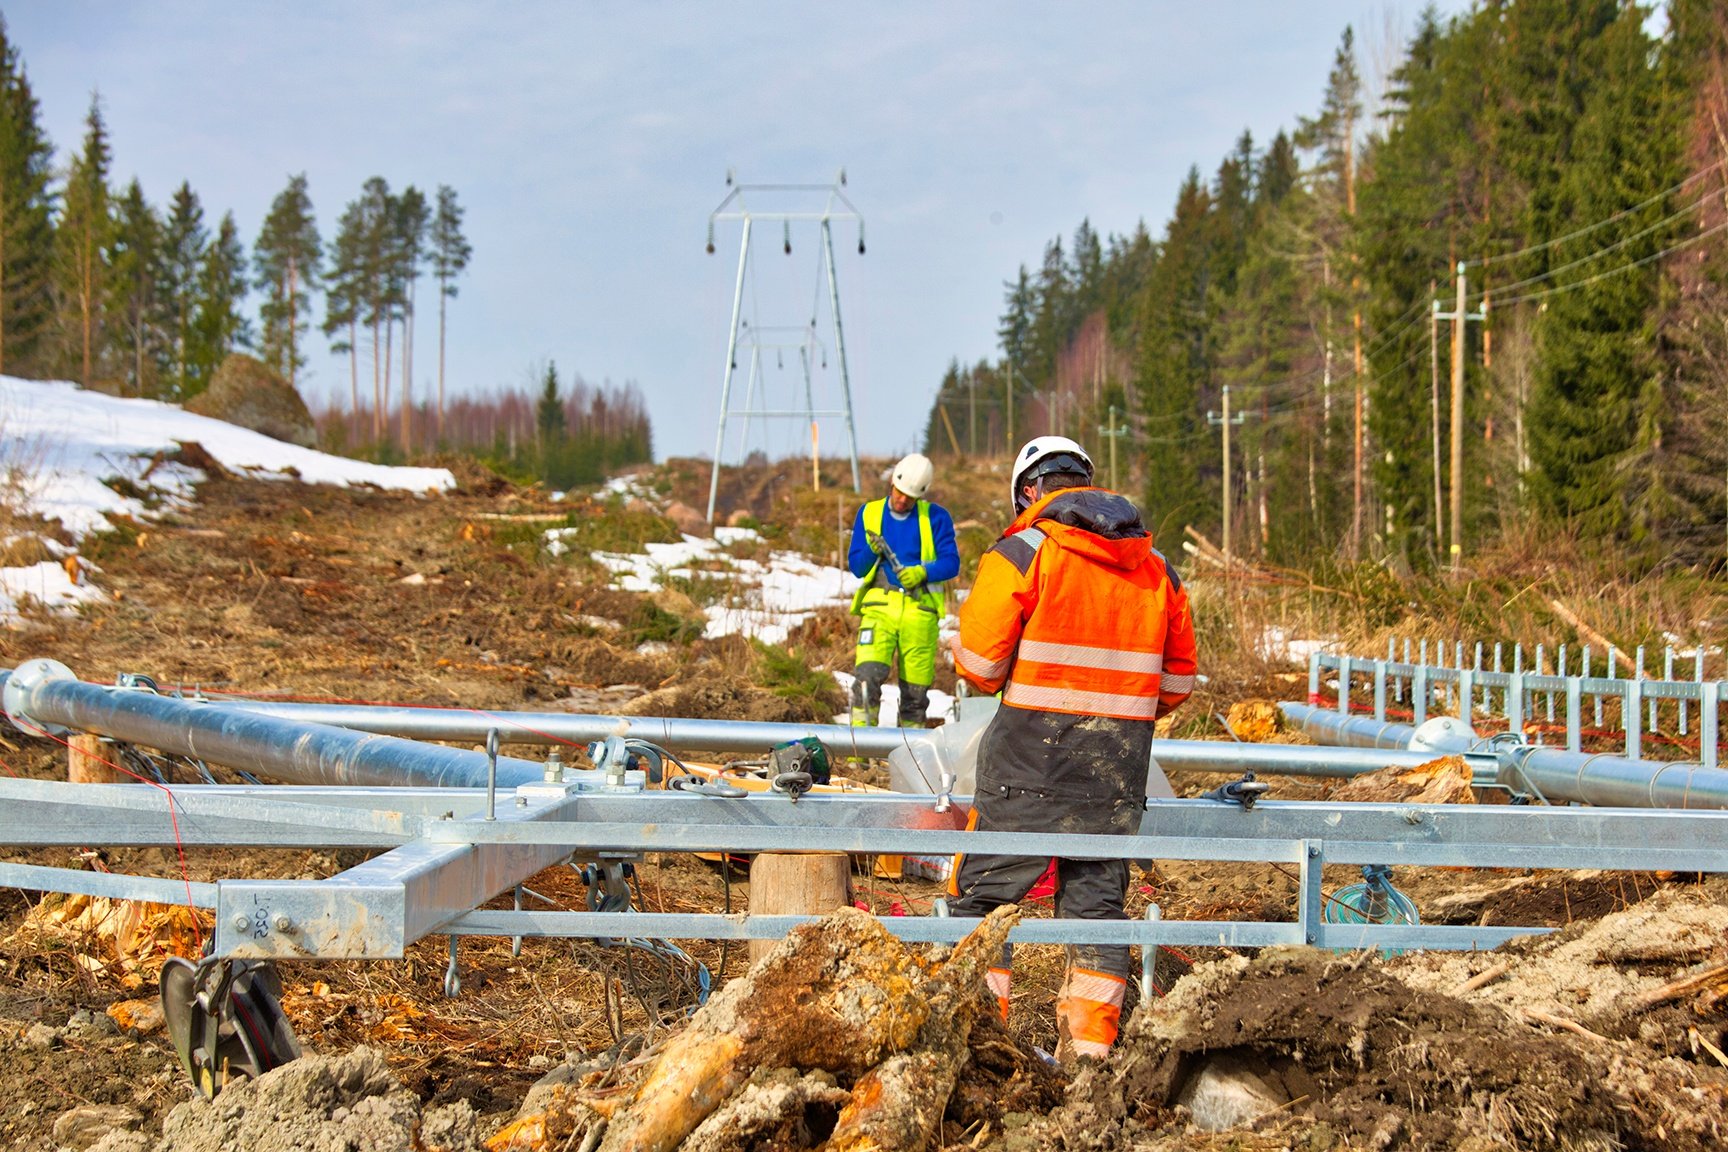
x,y
1114,433
1434,407
972,412
1226,420
1458,317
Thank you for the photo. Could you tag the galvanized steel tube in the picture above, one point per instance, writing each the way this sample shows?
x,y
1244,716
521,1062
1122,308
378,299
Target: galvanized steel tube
x,y
44,692
685,735
1553,774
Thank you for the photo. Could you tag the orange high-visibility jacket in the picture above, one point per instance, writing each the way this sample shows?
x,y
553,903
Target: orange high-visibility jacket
x,y
1074,611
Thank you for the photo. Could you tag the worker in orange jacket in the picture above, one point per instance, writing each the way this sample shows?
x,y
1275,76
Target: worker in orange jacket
x,y
1084,628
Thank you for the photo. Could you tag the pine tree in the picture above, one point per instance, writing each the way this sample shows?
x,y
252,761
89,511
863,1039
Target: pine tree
x,y
135,257
219,327
286,260
26,208
377,302
345,289
411,218
184,243
450,255
85,230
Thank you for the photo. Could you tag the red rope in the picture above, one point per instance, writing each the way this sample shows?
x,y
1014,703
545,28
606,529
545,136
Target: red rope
x,y
173,821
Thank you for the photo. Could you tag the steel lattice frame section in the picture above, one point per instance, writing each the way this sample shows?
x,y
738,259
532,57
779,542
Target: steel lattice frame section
x,y
449,849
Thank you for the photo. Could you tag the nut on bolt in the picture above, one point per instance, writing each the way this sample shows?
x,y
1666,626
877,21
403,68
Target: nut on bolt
x,y
283,922
240,923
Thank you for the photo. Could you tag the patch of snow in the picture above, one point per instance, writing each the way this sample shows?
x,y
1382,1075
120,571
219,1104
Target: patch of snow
x,y
60,446
48,584
941,706
1277,644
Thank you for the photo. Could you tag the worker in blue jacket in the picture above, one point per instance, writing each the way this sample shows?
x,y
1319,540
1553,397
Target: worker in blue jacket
x,y
903,549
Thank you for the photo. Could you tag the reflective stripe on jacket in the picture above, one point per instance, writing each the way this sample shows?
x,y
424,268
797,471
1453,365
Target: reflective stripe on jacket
x,y
871,515
1074,611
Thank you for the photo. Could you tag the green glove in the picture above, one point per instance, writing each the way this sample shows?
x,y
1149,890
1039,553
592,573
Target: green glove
x,y
911,576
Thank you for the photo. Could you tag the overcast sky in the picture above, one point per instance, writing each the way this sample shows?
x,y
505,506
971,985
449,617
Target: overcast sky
x,y
589,143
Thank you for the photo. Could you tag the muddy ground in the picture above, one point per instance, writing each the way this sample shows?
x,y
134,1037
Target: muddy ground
x,y
357,595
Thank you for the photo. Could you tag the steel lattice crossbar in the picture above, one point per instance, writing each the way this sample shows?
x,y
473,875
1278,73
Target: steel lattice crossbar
x,y
446,855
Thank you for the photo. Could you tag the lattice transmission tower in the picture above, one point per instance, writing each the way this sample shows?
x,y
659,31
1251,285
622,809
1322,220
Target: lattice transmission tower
x,y
790,205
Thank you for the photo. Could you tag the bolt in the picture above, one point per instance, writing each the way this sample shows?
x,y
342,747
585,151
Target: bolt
x,y
1412,816
283,922
240,923
1312,938
1313,851
521,801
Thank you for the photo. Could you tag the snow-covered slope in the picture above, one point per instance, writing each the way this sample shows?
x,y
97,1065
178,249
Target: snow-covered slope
x,y
61,446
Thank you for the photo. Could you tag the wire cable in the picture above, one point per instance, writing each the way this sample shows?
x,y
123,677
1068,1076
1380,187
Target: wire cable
x,y
1587,229
1596,255
1653,257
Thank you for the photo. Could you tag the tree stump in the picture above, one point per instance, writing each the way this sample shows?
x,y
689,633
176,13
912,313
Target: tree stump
x,y
85,761
796,883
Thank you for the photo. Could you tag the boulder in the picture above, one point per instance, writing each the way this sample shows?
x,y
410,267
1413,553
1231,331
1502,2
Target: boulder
x,y
689,521
247,392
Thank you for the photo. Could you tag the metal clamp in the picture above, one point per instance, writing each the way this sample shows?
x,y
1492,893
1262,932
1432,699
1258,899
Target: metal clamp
x,y
1245,791
225,1019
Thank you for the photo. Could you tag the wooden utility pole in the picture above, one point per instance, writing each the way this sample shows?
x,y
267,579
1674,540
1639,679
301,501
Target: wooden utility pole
x,y
971,412
1226,421
1458,316
1434,407
1113,433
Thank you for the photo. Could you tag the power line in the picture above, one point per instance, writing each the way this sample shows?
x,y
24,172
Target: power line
x,y
1588,228
1654,256
1599,253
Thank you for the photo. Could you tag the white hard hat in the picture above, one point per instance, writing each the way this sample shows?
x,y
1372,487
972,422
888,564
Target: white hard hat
x,y
1043,455
914,475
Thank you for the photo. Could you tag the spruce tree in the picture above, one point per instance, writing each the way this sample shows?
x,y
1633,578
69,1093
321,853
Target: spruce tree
x,y
219,327
1682,461
549,423
184,243
287,261
85,230
1589,436
26,228
450,255
1172,371
135,258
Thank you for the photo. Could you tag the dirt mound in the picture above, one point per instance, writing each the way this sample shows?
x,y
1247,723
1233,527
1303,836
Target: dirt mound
x,y
349,1101
1350,1055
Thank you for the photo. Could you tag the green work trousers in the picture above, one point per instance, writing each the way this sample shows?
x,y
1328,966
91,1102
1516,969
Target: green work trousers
x,y
895,629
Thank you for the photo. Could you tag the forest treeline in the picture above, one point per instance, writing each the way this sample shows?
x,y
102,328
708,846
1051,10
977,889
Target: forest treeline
x,y
561,435
1555,162
102,287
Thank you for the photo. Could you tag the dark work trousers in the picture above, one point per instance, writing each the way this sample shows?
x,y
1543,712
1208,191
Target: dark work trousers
x,y
1056,772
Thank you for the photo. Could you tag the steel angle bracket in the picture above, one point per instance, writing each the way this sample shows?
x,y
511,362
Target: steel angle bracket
x,y
375,910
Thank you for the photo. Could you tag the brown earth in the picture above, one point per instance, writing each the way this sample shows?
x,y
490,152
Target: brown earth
x,y
371,596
